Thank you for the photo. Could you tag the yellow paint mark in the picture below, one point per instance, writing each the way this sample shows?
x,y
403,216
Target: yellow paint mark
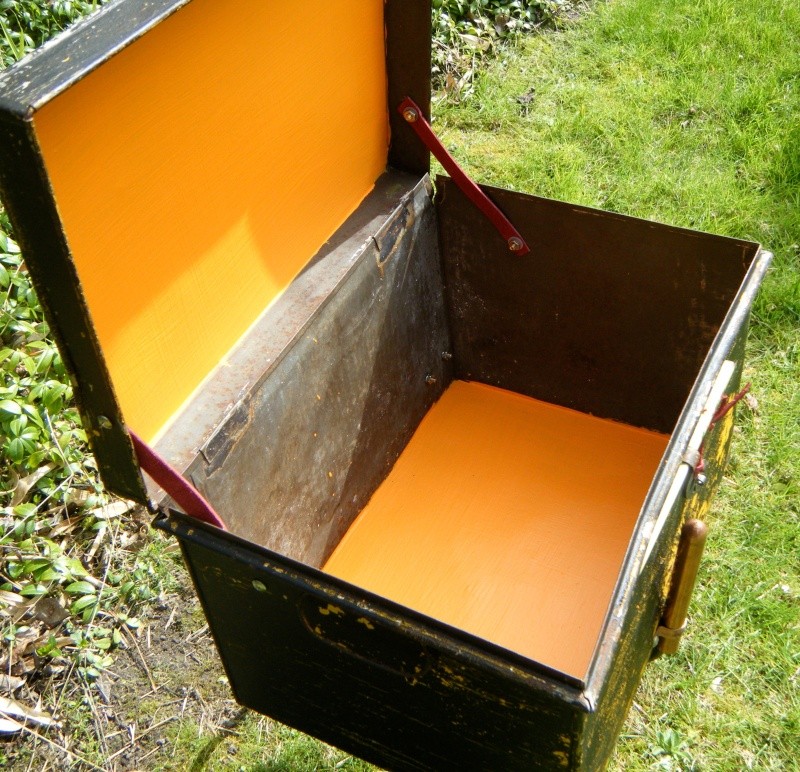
x,y
364,621
449,678
562,758
725,432
666,583
331,609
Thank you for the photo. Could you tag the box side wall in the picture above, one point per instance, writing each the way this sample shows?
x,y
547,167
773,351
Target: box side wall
x,y
628,645
608,314
300,455
629,636
359,674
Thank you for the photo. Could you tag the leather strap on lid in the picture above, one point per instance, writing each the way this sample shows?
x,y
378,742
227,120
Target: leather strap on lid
x,y
185,495
413,115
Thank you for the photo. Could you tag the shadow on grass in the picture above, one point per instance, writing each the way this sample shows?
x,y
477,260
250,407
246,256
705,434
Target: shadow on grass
x,y
207,751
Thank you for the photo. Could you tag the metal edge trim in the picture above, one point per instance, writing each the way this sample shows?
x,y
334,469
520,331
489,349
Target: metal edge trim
x,y
63,61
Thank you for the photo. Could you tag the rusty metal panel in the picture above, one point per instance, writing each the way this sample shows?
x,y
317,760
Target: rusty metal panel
x,y
301,453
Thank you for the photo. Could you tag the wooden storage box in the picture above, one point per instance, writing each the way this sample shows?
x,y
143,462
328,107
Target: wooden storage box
x,y
453,477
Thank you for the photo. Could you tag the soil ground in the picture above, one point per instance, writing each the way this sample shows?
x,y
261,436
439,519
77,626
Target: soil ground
x,y
165,675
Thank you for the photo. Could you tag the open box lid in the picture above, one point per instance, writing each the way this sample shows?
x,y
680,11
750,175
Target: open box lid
x,y
164,196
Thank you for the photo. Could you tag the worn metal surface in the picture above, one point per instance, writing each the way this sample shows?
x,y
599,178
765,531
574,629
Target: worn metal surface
x,y
301,453
608,314
195,436
391,686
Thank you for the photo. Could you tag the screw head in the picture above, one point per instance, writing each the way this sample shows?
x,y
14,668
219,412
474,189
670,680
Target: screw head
x,y
515,243
410,114
700,480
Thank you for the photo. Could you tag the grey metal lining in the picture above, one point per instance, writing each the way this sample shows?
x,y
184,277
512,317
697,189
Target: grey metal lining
x,y
330,385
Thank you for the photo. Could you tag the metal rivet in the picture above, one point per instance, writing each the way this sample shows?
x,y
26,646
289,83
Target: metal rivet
x,y
430,379
103,422
515,243
700,480
410,114
260,586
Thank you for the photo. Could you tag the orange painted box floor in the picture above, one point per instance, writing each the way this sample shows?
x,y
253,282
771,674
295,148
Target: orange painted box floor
x,y
508,518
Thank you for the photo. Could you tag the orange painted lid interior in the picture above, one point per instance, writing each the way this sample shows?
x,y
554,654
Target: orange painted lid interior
x,y
508,518
199,170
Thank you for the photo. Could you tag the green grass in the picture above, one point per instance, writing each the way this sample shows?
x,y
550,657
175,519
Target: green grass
x,y
258,745
26,24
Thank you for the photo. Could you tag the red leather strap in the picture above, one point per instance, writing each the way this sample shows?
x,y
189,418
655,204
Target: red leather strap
x,y
415,118
728,403
184,494
725,406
